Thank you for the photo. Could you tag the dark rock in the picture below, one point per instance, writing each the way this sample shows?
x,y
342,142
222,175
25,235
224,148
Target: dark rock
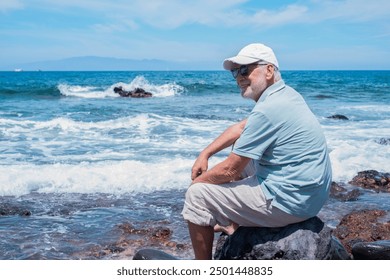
x,y
362,226
378,250
310,239
137,92
340,193
383,141
373,180
152,254
25,213
338,117
10,210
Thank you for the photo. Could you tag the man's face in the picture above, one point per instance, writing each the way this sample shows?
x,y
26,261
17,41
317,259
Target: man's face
x,y
254,83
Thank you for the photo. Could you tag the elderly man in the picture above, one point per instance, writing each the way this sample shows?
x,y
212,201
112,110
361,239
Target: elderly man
x,y
281,140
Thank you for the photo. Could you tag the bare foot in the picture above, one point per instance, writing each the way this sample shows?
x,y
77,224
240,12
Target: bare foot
x,y
229,230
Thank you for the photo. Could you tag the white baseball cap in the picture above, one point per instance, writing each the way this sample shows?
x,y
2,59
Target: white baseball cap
x,y
250,54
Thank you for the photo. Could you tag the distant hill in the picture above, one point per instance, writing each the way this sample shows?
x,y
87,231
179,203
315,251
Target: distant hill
x,y
96,63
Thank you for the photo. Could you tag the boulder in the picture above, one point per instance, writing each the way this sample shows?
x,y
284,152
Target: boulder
x,y
383,141
137,92
308,240
373,180
377,250
338,117
9,210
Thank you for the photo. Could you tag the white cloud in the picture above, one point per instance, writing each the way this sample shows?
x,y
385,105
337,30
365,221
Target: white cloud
x,y
6,5
292,13
340,58
349,10
170,14
105,28
164,14
124,25
174,13
317,11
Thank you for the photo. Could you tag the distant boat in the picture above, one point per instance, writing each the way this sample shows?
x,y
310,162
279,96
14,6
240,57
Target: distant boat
x,y
18,70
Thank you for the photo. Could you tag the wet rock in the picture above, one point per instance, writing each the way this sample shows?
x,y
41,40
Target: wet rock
x,y
338,117
10,210
310,239
340,193
161,233
152,254
130,229
383,141
378,250
133,240
362,226
25,213
373,180
137,92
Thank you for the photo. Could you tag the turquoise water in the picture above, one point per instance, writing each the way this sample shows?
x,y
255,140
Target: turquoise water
x,y
84,160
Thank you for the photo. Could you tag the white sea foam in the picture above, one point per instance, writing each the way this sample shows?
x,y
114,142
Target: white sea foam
x,y
115,177
84,91
145,137
354,147
147,152
122,155
164,90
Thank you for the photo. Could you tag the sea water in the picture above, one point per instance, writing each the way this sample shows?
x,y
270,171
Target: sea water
x,y
77,161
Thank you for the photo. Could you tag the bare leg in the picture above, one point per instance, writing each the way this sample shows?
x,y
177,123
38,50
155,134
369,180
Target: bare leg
x,y
202,241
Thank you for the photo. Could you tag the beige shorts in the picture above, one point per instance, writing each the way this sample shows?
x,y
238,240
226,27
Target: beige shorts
x,y
242,202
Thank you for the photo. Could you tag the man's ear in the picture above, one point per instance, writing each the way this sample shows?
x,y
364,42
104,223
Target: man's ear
x,y
270,72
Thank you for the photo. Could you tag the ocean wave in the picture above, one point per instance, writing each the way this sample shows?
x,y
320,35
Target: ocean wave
x,y
368,108
145,137
114,177
354,147
163,90
35,90
144,123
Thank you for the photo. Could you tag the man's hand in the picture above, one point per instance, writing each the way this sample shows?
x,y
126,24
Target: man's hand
x,y
224,172
226,139
200,166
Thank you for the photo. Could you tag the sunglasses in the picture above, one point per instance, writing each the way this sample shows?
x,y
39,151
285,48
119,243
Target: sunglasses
x,y
243,70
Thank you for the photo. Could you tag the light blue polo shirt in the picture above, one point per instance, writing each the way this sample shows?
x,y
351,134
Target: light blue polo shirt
x,y
288,146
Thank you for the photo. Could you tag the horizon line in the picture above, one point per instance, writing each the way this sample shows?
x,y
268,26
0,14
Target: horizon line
x,y
169,70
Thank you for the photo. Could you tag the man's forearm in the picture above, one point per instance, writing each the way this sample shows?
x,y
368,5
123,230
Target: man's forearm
x,y
226,171
219,174
226,139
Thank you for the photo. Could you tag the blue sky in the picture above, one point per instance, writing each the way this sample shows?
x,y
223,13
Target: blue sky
x,y
305,34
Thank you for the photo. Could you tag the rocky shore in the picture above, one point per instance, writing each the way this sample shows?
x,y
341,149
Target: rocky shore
x,y
360,234
133,239
363,234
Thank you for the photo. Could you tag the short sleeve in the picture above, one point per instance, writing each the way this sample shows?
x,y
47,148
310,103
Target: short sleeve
x,y
256,137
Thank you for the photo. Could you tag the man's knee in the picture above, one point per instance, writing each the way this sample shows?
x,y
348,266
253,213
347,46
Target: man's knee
x,y
195,192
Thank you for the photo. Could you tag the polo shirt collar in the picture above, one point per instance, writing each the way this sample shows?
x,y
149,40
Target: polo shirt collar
x,y
272,89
